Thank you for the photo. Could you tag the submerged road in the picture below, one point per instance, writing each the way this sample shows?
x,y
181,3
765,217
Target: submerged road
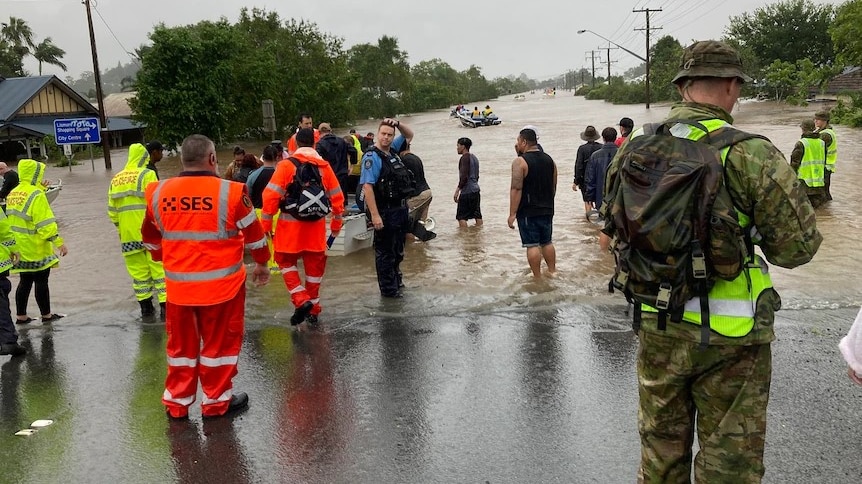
x,y
546,395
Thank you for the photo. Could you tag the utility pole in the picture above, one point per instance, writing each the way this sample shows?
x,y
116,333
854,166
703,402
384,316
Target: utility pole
x,y
648,30
592,56
106,142
609,48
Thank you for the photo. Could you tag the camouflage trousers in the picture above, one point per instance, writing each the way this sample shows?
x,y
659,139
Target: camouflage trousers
x,y
721,392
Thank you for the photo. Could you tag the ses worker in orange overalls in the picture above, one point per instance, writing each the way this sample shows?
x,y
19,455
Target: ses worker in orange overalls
x,y
198,224
294,238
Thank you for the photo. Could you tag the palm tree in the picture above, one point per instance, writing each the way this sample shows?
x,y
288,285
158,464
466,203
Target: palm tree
x,y
19,34
47,52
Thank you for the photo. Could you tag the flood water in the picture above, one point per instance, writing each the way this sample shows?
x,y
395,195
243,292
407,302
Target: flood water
x,y
484,269
480,374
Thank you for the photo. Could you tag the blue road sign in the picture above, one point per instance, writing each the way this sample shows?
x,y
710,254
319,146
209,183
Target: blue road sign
x,y
77,131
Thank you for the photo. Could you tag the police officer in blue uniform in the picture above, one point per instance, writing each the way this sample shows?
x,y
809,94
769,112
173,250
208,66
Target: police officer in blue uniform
x,y
386,184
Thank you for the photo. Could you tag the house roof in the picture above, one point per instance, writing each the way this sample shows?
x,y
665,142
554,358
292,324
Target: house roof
x,y
117,104
15,92
849,80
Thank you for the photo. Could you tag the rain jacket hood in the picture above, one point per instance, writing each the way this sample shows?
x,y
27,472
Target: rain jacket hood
x,y
138,157
31,172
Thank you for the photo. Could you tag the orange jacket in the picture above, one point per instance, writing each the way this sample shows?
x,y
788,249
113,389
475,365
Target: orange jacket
x,y
294,236
291,143
198,225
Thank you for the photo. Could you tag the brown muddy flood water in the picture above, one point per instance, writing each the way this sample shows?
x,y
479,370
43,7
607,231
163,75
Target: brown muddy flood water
x,y
476,269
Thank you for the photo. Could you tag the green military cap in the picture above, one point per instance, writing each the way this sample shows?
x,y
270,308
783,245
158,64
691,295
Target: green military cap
x,y
807,126
710,58
822,115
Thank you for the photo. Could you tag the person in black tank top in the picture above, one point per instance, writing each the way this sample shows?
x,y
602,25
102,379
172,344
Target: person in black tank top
x,y
531,202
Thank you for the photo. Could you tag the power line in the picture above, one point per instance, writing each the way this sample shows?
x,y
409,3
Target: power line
x,y
696,18
115,37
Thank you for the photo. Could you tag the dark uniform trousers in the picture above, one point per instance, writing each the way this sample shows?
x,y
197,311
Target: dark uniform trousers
x,y
389,249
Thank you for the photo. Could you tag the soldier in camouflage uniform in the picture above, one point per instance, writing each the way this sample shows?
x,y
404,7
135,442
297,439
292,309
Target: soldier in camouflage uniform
x,y
721,391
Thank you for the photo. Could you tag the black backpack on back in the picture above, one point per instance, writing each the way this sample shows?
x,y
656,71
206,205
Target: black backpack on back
x,y
674,225
305,198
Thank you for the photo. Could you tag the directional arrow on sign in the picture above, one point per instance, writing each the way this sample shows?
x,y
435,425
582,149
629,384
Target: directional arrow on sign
x,y
87,136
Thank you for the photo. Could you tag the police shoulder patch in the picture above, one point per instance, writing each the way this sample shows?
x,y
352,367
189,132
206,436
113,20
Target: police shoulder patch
x,y
246,201
368,164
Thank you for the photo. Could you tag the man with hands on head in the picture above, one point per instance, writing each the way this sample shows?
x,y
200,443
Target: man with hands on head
x,y
386,184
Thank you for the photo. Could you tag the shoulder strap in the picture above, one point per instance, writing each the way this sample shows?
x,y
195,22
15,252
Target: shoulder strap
x,y
295,162
729,136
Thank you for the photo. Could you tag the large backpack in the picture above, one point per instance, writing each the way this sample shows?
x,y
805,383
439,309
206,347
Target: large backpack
x,y
305,198
674,225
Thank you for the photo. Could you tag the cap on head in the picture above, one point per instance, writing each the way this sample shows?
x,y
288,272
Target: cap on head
x,y
324,128
822,115
305,137
710,58
370,135
807,125
535,129
154,146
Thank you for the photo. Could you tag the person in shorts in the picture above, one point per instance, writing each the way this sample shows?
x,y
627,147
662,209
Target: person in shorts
x,y
531,201
467,194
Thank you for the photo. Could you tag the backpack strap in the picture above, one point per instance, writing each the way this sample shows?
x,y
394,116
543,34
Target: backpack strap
x,y
295,162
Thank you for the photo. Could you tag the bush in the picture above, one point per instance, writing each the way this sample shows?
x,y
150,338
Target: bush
x,y
54,152
848,113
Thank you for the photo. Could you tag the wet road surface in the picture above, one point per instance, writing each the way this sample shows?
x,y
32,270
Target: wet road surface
x,y
478,375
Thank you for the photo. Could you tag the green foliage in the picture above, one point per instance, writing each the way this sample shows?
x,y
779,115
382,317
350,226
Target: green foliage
x,y
619,92
46,52
664,64
788,31
17,41
846,32
188,82
54,152
791,82
848,112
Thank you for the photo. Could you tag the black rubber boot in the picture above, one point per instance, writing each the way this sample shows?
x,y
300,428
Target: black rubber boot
x,y
163,314
147,308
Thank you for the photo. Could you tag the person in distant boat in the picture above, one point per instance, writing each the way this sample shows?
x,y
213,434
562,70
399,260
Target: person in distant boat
x,y
476,112
487,112
10,180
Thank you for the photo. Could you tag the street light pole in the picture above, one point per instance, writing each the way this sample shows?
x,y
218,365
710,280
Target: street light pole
x,y
630,52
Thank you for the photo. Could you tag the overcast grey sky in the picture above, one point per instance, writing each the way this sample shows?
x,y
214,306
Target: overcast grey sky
x,y
501,36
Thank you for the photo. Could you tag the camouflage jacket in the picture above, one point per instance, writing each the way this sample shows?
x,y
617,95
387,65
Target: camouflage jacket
x,y
763,186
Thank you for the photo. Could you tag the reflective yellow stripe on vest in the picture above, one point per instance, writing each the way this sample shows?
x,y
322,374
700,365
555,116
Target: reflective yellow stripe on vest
x,y
813,165
831,150
732,304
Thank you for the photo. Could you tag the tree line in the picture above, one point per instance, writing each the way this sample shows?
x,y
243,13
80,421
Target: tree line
x,y
789,47
211,78
17,42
